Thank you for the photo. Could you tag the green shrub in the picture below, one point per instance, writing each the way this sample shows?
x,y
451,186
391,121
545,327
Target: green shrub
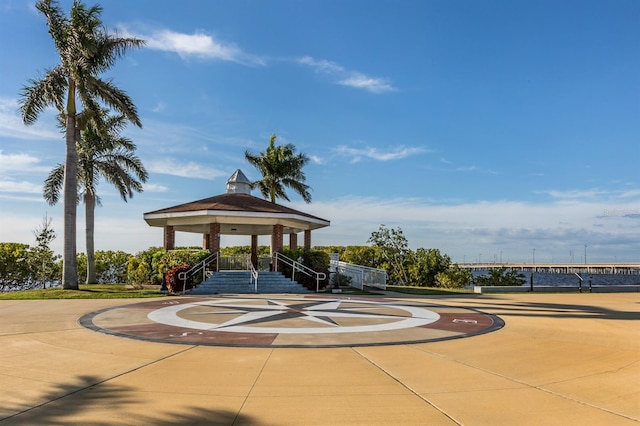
x,y
425,264
111,266
149,266
501,277
15,269
318,261
454,277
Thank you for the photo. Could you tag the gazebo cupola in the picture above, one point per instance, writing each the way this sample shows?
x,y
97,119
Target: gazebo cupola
x,y
235,212
238,183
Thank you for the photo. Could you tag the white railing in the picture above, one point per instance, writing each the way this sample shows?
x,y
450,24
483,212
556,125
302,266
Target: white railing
x,y
361,275
298,267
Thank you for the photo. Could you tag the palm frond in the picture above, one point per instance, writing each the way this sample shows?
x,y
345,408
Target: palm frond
x,y
53,185
39,94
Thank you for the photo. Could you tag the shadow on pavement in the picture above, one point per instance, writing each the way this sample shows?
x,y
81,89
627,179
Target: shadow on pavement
x,y
82,402
561,310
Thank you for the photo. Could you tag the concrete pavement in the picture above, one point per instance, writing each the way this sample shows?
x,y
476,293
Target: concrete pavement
x,y
560,359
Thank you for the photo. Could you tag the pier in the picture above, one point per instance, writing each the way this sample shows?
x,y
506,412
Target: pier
x,y
559,268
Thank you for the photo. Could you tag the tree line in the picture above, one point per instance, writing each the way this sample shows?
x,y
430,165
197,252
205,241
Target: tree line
x,y
23,267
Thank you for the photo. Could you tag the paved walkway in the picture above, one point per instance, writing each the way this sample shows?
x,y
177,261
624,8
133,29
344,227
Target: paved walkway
x,y
560,359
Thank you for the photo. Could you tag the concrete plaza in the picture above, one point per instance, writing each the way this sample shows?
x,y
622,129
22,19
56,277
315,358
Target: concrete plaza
x,y
560,359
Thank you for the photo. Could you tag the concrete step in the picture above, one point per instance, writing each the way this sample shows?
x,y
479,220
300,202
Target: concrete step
x,y
239,282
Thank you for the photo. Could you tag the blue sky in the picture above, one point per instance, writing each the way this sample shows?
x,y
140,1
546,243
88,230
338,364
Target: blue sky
x,y
485,129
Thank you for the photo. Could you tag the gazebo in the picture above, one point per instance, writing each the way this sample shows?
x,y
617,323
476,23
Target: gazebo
x,y
236,212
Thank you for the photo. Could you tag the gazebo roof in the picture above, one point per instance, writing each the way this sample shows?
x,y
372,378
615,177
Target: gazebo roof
x,y
237,213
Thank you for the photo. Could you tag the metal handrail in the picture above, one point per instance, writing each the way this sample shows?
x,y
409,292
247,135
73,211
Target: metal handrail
x,y
297,266
196,268
254,274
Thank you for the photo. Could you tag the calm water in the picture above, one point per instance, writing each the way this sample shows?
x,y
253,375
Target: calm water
x,y
548,279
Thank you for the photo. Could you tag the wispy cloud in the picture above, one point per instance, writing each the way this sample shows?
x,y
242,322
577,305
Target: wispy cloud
x,y
188,169
197,45
347,77
357,154
590,194
160,106
22,163
371,84
574,194
152,187
317,159
11,124
321,65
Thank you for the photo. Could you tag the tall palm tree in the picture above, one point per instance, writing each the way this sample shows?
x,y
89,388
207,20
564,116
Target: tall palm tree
x,y
86,50
101,153
280,167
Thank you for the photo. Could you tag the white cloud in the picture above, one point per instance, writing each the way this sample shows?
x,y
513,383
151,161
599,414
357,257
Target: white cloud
x,y
190,169
371,84
345,77
398,153
20,187
198,45
20,163
317,160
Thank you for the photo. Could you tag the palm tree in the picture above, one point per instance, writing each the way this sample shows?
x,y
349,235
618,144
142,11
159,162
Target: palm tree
x,y
100,153
280,167
86,50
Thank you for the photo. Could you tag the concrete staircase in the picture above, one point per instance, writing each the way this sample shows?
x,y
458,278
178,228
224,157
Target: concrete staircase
x,y
239,282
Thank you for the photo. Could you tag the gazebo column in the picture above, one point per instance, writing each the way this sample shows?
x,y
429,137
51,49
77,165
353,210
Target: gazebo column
x,y
293,241
214,237
307,240
213,240
276,238
205,242
276,243
169,237
254,251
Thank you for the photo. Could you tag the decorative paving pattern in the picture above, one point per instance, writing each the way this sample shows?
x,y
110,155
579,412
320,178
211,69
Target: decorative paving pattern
x,y
290,321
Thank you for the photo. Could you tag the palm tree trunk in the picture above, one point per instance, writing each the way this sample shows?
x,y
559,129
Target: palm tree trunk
x,y
69,269
89,216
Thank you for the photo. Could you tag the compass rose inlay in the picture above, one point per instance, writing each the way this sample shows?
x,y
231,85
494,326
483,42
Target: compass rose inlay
x,y
290,321
323,317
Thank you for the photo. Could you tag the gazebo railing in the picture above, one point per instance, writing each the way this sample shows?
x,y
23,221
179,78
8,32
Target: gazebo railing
x,y
233,262
361,275
299,267
238,262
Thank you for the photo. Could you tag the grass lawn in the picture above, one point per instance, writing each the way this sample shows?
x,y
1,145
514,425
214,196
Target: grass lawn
x,y
429,291
87,291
